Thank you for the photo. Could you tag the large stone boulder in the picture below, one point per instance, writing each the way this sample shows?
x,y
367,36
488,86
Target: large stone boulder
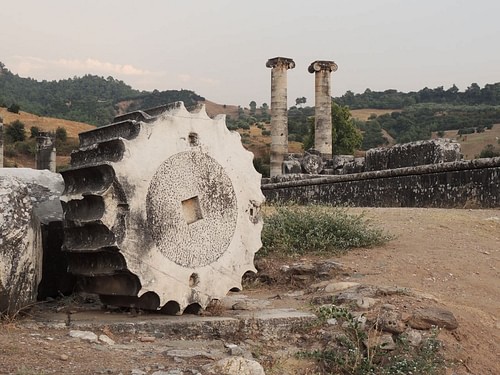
x,y
44,189
20,247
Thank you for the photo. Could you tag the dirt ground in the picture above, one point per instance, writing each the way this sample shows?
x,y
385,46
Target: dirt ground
x,y
451,257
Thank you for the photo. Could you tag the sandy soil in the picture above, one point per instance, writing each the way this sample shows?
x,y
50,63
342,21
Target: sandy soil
x,y
451,257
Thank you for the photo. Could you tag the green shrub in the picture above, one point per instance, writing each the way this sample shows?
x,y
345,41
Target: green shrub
x,y
295,229
489,152
14,108
15,132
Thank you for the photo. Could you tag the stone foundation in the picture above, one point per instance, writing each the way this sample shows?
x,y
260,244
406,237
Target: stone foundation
x,y
474,183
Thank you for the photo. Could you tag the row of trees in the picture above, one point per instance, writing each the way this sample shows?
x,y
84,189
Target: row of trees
x,y
418,122
393,99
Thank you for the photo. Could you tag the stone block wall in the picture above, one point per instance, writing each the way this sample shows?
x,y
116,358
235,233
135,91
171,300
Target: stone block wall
x,y
473,183
412,154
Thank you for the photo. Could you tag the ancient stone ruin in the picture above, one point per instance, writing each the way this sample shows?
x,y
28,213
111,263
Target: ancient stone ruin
x,y
418,174
45,155
279,110
161,210
323,106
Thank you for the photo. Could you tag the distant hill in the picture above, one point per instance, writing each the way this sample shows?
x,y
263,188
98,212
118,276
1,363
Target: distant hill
x,y
91,99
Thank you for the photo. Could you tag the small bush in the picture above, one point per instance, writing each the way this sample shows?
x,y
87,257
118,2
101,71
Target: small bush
x,y
349,354
34,131
14,108
27,147
61,134
15,132
489,152
266,132
298,229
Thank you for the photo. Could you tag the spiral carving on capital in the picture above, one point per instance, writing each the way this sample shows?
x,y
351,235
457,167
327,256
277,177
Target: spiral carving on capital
x,y
320,65
280,62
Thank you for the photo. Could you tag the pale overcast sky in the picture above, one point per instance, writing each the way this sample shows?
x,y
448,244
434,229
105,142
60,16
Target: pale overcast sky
x,y
218,48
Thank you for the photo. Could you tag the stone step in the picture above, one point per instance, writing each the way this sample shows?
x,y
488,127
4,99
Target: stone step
x,y
266,323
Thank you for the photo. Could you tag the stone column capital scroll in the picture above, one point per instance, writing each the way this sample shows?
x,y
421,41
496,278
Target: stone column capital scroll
x,y
280,62
320,65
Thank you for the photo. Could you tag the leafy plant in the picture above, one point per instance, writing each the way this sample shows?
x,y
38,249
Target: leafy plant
x,y
350,355
294,229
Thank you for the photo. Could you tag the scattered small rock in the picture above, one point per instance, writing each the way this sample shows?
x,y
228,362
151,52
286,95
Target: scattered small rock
x,y
365,302
146,338
106,339
137,372
63,357
235,365
234,350
387,342
390,321
342,285
83,335
413,337
426,318
384,341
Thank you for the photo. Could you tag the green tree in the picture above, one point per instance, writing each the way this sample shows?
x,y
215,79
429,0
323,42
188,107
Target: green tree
x,y
15,132
346,138
61,134
34,131
253,107
14,108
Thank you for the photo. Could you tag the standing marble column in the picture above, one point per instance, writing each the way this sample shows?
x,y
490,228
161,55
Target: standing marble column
x,y
279,116
323,106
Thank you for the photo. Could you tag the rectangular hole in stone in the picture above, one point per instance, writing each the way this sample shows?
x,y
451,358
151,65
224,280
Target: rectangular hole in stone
x,y
191,210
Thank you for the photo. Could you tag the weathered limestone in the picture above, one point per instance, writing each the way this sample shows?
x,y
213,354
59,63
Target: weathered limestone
x,y
434,151
20,247
45,156
44,189
279,116
323,106
162,210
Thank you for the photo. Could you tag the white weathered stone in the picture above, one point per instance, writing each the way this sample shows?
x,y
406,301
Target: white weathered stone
x,y
106,339
20,246
235,365
366,302
83,335
44,189
341,285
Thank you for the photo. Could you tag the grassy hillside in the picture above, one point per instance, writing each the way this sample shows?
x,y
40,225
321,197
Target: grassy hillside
x,y
47,124
472,144
256,139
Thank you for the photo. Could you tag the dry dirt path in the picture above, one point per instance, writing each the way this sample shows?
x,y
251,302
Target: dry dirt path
x,y
452,255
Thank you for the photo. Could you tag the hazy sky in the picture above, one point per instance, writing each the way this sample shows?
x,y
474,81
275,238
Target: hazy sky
x,y
218,48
